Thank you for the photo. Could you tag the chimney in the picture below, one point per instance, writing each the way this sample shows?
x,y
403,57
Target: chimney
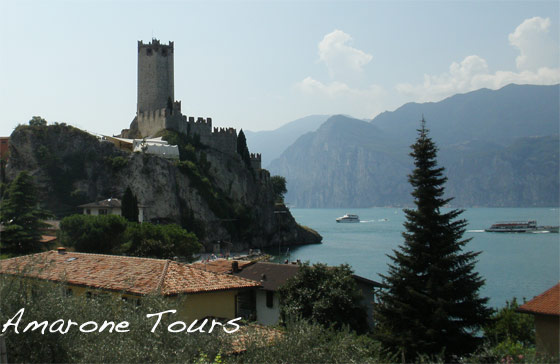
x,y
61,250
235,266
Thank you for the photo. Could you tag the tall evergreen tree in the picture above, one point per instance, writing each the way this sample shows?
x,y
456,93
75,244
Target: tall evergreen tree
x,y
20,217
242,148
129,206
431,305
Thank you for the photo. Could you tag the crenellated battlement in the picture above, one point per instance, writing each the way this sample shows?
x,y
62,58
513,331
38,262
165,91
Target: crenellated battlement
x,y
155,47
255,161
225,131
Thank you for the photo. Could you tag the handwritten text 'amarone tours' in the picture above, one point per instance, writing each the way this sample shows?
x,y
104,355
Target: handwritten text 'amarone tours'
x,y
63,326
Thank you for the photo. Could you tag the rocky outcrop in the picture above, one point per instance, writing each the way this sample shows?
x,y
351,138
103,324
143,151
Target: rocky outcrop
x,y
217,197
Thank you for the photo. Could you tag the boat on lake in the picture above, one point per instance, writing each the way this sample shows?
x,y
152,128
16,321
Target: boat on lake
x,y
529,226
348,218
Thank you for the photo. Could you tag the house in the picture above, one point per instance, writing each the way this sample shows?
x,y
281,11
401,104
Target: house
x,y
130,278
156,146
272,276
110,206
546,309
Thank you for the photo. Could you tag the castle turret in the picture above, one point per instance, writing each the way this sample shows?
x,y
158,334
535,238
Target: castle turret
x,y
155,76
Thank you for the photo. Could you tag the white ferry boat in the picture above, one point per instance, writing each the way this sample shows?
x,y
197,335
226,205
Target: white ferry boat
x,y
521,227
348,218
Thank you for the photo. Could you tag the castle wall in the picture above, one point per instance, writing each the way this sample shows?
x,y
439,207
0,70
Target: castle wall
x,y
150,122
255,161
155,75
224,140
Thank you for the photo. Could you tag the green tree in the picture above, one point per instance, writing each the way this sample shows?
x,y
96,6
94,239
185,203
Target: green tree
x,y
129,206
93,234
432,303
161,241
279,187
325,295
508,324
20,216
242,148
37,121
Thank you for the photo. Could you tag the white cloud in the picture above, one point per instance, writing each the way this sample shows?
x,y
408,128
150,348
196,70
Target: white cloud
x,y
341,59
537,64
345,64
537,49
311,86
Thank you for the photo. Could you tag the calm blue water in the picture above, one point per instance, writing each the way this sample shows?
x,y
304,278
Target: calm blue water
x,y
520,265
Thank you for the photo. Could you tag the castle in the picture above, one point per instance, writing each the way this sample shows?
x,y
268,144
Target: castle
x,y
157,108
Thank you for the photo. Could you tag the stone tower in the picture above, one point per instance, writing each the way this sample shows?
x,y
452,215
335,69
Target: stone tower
x,y
155,75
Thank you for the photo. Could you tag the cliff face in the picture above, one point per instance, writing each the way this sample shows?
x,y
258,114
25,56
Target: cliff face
x,y
214,195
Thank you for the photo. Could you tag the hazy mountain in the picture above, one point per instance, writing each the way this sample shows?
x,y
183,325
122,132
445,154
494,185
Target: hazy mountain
x,y
271,143
499,116
500,148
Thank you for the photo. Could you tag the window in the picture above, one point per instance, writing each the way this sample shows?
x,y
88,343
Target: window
x,y
69,291
269,299
88,211
149,51
102,211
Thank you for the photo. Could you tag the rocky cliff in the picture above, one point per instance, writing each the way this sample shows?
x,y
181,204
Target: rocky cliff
x,y
210,193
499,148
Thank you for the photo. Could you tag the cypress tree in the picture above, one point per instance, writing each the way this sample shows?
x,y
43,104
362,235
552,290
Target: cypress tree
x,y
242,148
129,206
431,305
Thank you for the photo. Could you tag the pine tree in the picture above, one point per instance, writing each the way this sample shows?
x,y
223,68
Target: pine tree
x,y
20,217
431,305
129,206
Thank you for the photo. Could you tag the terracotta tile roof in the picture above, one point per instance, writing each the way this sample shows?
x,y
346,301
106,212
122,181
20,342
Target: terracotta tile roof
x,y
47,239
119,273
547,303
220,265
257,335
182,278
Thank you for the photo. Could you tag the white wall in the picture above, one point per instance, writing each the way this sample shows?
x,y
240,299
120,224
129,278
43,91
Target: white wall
x,y
266,315
114,211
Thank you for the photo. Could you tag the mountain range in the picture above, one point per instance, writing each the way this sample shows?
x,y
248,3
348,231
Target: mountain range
x,y
499,147
271,143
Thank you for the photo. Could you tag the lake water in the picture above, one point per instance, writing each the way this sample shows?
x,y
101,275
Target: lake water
x,y
520,265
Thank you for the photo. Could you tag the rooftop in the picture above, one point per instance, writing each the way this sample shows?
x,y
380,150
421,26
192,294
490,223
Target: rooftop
x,y
133,275
547,303
221,265
110,202
273,275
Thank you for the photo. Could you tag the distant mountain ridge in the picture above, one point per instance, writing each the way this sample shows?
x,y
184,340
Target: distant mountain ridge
x,y
500,148
271,143
499,116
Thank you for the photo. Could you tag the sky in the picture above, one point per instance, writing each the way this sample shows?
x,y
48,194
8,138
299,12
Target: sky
x,y
257,65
